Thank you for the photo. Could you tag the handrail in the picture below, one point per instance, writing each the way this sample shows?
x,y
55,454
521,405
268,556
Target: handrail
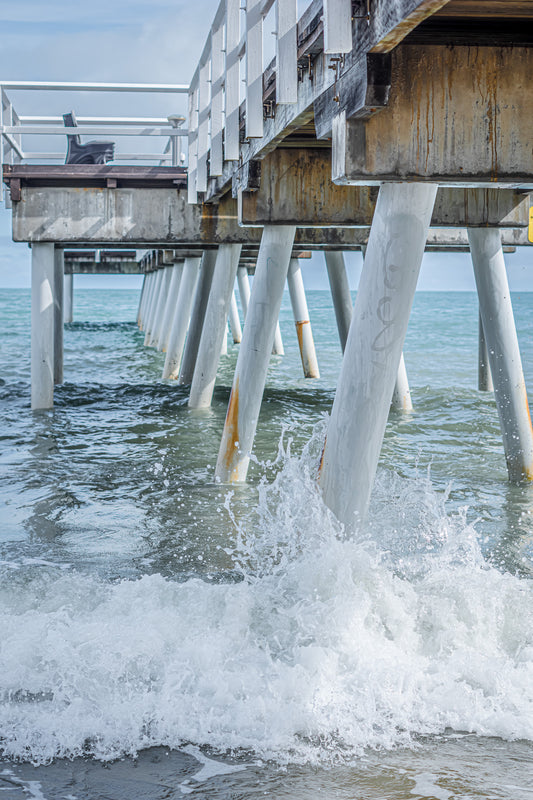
x,y
236,39
14,127
73,86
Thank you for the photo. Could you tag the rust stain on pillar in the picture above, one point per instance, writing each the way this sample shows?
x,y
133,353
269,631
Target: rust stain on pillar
x,y
231,428
299,325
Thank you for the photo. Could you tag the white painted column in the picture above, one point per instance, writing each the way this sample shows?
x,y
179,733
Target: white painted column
x,y
151,316
152,279
244,289
244,293
504,354
483,373
68,298
224,343
182,315
163,300
342,303
145,298
170,306
277,347
201,297
42,325
340,293
58,315
401,396
156,309
234,321
301,320
215,326
141,300
374,347
254,353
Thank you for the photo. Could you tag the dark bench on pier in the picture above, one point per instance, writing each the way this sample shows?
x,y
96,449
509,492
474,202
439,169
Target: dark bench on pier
x,y
89,153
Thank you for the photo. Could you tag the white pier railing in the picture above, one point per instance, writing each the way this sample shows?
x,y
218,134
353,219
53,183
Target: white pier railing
x,y
236,47
16,129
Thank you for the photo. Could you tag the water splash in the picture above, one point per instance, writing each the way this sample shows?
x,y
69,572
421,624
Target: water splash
x,y
326,646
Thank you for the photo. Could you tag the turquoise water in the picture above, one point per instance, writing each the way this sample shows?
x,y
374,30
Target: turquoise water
x,y
144,606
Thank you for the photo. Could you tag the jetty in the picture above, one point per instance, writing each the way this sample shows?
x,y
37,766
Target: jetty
x,y
387,126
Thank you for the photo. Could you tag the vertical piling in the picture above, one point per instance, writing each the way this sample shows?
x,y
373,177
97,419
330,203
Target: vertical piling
x,y
401,396
277,346
340,293
58,315
154,302
301,320
201,297
141,300
182,315
150,299
503,351
244,289
42,325
254,353
68,298
224,342
215,326
163,301
147,295
244,293
374,346
484,377
172,299
234,321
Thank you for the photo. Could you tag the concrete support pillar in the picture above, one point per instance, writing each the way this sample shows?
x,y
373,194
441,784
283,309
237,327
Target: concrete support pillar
x,y
163,300
401,397
147,300
254,353
58,315
170,305
504,354
141,299
244,293
340,293
42,325
277,347
149,339
301,320
154,302
182,315
68,298
374,347
201,297
215,326
234,321
342,303
484,377
224,343
244,289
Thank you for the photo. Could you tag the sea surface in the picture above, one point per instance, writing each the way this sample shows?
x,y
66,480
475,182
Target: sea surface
x,y
163,636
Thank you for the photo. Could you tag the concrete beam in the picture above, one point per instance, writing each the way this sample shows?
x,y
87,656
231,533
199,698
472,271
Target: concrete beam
x,y
458,115
82,267
295,188
162,218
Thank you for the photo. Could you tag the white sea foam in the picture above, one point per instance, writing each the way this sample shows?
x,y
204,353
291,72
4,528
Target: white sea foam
x,y
328,645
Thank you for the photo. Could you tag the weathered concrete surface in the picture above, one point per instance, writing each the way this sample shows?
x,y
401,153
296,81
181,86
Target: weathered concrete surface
x,y
296,189
162,218
455,115
134,217
83,267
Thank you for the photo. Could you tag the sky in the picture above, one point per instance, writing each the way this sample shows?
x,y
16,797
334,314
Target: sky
x,y
148,41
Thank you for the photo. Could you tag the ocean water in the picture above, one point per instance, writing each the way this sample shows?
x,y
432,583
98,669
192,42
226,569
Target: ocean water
x,y
162,635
